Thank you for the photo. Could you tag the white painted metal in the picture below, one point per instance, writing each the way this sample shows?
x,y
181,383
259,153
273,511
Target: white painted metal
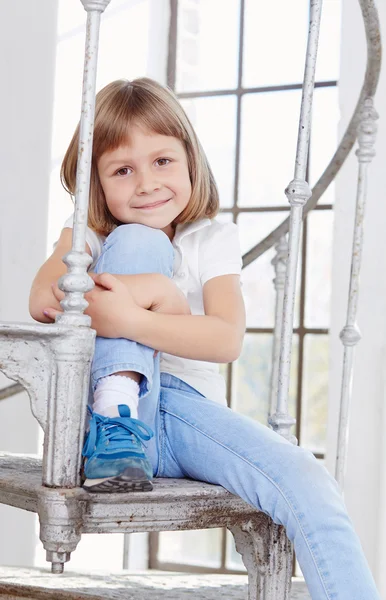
x,y
350,334
11,390
272,579
297,192
280,263
26,356
76,281
53,364
62,452
174,504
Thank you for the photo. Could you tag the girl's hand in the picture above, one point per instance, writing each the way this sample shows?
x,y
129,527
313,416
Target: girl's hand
x,y
109,302
51,312
110,305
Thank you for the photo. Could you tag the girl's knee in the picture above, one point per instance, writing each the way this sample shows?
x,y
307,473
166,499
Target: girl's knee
x,y
145,249
135,234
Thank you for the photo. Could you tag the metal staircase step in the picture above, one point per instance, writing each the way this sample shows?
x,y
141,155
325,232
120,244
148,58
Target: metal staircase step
x,y
173,503
39,584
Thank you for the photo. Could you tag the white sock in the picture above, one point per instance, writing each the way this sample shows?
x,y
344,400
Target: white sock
x,y
114,390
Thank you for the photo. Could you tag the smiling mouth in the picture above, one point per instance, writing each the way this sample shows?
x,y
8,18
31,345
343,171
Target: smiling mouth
x,y
152,205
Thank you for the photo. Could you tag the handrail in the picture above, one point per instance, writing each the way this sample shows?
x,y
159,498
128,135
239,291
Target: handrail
x,y
11,390
373,67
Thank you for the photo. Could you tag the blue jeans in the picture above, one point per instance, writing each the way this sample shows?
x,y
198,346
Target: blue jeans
x,y
201,439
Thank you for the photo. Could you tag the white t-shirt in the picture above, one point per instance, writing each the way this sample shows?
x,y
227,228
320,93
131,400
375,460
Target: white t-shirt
x,y
203,250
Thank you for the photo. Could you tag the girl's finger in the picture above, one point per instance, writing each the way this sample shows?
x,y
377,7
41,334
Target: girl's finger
x,y
51,313
59,295
105,280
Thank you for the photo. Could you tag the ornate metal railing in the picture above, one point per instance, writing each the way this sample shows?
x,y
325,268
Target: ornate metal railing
x,y
373,68
362,124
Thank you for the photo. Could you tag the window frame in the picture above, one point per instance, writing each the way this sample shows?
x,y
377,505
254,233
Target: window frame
x,y
301,330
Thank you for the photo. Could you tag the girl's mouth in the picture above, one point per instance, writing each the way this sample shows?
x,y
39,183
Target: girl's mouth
x,y
152,205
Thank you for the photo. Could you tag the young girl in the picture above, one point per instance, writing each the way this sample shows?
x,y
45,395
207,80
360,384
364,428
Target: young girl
x,y
167,307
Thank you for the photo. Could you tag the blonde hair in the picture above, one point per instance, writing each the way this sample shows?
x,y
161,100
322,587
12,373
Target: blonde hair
x,y
146,103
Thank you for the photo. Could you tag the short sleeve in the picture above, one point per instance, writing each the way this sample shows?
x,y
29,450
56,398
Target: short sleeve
x,y
93,240
220,252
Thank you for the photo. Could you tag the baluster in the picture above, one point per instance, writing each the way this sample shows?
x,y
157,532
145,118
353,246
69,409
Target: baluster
x,y
76,281
66,410
350,334
280,422
297,192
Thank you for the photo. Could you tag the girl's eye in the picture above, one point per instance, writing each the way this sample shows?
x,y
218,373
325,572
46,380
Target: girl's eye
x,y
165,161
123,171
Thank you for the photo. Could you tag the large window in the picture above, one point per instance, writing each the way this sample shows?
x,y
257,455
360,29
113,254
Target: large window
x,y
237,67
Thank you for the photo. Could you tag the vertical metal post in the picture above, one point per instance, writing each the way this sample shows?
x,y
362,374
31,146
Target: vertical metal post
x,y
66,410
76,281
350,334
297,192
279,262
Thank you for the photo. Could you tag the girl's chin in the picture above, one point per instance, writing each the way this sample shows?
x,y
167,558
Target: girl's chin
x,y
156,222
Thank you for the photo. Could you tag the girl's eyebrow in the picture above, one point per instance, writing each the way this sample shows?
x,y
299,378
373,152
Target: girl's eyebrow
x,y
126,159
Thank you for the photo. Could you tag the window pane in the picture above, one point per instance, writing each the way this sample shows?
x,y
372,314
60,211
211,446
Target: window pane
x,y
315,393
324,136
318,271
257,279
327,65
200,547
234,560
275,41
208,117
269,126
254,227
207,45
252,372
258,291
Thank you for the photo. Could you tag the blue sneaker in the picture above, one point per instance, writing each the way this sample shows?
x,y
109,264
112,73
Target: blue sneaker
x,y
115,460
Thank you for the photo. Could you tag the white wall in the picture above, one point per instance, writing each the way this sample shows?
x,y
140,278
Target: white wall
x,y
41,64
26,72
366,469
133,43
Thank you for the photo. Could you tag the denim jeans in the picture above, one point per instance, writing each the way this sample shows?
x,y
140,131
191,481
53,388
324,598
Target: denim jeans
x,y
198,438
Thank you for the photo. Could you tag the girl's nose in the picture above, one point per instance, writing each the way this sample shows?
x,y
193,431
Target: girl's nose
x,y
147,183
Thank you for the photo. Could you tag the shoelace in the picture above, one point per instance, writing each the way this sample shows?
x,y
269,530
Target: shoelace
x,y
112,429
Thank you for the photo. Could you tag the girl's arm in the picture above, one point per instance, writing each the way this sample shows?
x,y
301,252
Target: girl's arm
x,y
41,294
216,336
152,291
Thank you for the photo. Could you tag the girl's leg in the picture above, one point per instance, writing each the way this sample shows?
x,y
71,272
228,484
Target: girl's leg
x,y
114,447
130,250
209,442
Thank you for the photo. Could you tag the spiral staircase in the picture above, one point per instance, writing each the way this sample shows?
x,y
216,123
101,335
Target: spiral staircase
x,y
52,362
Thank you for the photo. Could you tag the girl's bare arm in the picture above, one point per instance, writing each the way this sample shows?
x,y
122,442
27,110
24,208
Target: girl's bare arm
x,y
216,336
151,291
41,294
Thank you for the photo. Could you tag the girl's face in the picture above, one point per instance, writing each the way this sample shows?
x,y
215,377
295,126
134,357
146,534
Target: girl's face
x,y
147,181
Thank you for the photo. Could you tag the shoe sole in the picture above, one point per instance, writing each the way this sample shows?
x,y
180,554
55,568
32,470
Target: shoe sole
x,y
125,482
